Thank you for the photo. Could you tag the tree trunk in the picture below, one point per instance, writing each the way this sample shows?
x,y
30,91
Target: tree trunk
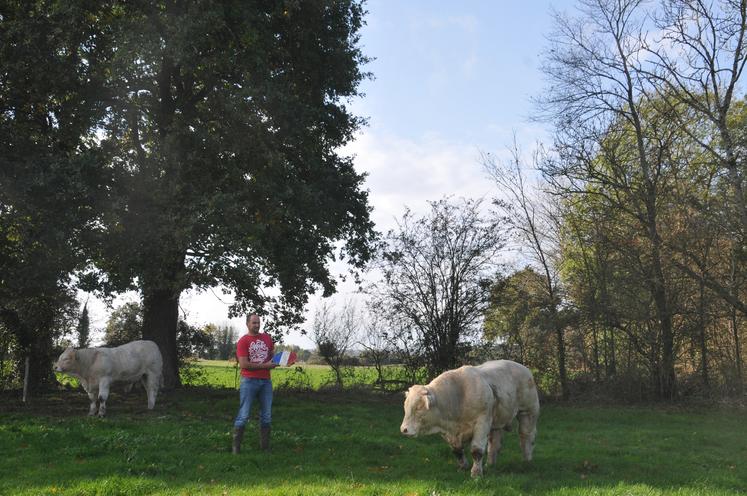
x,y
565,393
595,338
160,318
702,324
659,293
36,344
668,384
737,351
610,355
734,322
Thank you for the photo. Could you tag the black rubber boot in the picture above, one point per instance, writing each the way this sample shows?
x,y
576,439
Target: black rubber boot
x,y
238,436
264,438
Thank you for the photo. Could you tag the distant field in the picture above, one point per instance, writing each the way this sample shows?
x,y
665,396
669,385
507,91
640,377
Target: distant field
x,y
222,373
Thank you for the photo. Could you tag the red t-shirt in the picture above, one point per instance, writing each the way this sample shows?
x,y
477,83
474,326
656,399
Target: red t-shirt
x,y
259,349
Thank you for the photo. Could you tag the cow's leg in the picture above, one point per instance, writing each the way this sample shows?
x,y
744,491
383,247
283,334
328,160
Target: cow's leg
x,y
527,433
494,444
104,384
478,445
128,387
152,383
93,392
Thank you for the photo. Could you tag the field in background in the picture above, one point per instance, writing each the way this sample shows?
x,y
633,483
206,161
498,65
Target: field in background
x,y
222,373
330,442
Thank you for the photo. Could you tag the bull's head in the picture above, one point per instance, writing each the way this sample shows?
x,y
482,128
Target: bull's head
x,y
66,362
420,417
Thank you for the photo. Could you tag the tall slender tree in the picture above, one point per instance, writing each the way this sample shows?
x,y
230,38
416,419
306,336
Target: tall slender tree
x,y
83,329
534,219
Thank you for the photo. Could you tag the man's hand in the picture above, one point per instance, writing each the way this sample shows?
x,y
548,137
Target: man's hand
x,y
244,363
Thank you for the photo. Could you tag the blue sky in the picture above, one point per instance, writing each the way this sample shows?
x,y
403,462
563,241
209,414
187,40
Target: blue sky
x,y
460,70
451,79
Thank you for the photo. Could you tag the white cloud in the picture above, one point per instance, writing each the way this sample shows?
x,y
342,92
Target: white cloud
x,y
403,172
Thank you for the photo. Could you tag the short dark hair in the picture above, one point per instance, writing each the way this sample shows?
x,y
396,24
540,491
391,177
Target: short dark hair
x,y
249,316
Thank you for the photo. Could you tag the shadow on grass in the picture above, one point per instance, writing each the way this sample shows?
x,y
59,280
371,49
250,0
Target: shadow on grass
x,y
348,443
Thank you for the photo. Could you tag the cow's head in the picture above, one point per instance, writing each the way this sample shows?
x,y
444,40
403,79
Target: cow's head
x,y
66,362
420,414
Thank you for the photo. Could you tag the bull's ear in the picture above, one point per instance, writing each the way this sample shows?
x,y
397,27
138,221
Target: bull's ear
x,y
428,398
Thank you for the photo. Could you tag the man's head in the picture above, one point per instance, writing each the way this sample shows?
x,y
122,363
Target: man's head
x,y
252,323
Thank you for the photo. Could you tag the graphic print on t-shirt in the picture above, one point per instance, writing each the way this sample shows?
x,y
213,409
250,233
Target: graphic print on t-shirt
x,y
258,351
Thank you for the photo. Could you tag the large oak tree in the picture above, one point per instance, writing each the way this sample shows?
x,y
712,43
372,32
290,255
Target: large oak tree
x,y
219,128
224,122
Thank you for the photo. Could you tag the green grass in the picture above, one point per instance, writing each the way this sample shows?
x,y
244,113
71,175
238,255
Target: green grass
x,y
328,443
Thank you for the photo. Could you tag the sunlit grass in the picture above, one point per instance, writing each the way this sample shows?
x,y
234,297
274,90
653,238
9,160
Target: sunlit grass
x,y
327,442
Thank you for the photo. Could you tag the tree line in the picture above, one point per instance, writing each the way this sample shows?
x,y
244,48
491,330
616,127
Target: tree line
x,y
646,171
630,225
142,156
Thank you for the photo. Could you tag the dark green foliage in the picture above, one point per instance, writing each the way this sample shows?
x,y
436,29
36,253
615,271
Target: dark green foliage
x,y
49,169
125,324
224,340
192,341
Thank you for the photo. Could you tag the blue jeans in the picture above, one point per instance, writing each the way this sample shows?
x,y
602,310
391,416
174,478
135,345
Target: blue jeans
x,y
248,390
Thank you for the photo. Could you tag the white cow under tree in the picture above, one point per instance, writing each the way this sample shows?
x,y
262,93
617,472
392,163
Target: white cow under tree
x,y
473,405
98,368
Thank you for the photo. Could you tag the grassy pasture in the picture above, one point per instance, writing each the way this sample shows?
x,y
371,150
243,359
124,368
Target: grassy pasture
x,y
328,443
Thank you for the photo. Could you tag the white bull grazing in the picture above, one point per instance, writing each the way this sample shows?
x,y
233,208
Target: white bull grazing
x,y
473,405
98,368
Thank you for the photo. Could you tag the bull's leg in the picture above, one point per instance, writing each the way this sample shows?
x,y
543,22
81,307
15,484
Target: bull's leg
x,y
93,392
527,433
152,384
461,459
128,387
494,445
477,447
104,384
476,462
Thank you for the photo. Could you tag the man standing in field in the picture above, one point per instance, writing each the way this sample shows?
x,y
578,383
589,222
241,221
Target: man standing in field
x,y
254,353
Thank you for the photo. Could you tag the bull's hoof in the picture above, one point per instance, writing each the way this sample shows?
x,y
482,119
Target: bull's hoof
x,y
475,474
